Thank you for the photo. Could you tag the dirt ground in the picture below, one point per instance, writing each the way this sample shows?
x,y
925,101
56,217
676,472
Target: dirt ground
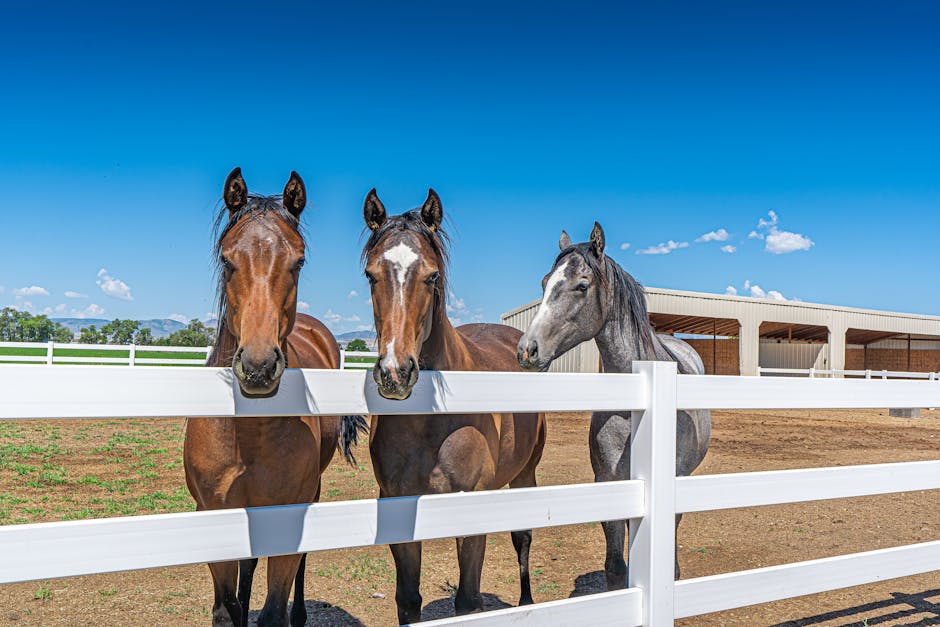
x,y
66,470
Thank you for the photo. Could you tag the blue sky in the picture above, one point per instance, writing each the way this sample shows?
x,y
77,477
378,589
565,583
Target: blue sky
x,y
118,124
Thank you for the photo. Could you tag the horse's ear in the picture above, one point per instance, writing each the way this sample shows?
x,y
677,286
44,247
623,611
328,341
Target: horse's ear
x,y
295,195
564,242
373,211
235,192
597,240
432,212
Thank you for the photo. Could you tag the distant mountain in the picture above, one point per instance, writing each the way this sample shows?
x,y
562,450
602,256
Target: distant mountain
x,y
75,324
158,327
356,335
161,327
367,336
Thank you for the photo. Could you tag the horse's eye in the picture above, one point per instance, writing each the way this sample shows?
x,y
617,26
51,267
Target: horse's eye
x,y
370,278
225,262
300,264
432,279
582,287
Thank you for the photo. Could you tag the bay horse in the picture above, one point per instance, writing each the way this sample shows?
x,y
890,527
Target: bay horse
x,y
405,261
587,295
253,462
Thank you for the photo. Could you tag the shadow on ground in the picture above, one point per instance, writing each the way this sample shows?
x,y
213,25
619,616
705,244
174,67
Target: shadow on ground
x,y
589,583
444,608
886,612
319,614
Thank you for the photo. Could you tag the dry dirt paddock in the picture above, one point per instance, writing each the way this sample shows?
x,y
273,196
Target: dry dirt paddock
x,y
67,470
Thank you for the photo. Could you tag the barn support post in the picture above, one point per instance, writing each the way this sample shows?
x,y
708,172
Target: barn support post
x,y
749,347
837,349
653,461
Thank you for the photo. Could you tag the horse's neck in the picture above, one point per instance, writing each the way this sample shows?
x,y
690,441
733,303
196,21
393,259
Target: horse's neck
x,y
620,347
444,349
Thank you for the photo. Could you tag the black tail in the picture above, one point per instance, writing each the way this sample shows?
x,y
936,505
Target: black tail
x,y
350,429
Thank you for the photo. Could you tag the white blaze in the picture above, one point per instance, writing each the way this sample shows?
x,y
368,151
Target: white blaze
x,y
402,257
544,307
390,362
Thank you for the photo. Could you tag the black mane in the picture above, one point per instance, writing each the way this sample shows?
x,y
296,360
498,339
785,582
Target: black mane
x,y
628,296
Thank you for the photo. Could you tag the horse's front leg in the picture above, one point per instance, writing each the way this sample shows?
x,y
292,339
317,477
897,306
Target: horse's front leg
x,y
408,581
609,443
226,611
281,572
470,553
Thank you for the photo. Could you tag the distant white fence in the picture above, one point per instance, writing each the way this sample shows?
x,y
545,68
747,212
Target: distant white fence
x,y
650,499
864,374
124,354
58,353
357,359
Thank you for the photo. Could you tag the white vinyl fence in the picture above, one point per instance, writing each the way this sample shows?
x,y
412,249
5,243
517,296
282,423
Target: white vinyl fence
x,y
50,353
130,354
650,498
865,374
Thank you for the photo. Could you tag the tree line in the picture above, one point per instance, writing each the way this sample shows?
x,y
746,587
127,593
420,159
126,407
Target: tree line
x,y
21,326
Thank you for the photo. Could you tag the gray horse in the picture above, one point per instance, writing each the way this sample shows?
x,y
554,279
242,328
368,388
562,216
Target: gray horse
x,y
587,295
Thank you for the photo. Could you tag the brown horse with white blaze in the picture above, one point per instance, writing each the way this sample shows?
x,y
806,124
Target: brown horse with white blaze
x,y
406,265
253,462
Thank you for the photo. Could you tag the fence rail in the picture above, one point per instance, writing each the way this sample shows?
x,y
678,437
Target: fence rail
x,y
51,353
865,374
650,499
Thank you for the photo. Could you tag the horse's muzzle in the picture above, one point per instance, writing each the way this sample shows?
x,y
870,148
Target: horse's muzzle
x,y
396,383
259,377
529,356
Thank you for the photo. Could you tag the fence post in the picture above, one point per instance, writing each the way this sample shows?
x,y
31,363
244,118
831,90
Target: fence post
x,y
50,351
342,359
653,461
812,373
868,374
131,355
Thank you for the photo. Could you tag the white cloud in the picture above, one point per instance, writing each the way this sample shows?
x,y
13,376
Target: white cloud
x,y
51,311
779,242
756,291
352,294
625,246
720,235
113,287
782,242
91,311
303,305
178,318
336,318
663,248
459,313
71,294
32,290
766,224
728,248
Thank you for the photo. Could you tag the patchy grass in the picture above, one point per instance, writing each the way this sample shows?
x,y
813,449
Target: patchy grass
x,y
74,470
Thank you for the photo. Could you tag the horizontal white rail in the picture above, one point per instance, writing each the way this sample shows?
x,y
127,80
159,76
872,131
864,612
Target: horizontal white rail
x,y
720,392
762,585
65,549
751,489
868,374
621,608
106,347
153,392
